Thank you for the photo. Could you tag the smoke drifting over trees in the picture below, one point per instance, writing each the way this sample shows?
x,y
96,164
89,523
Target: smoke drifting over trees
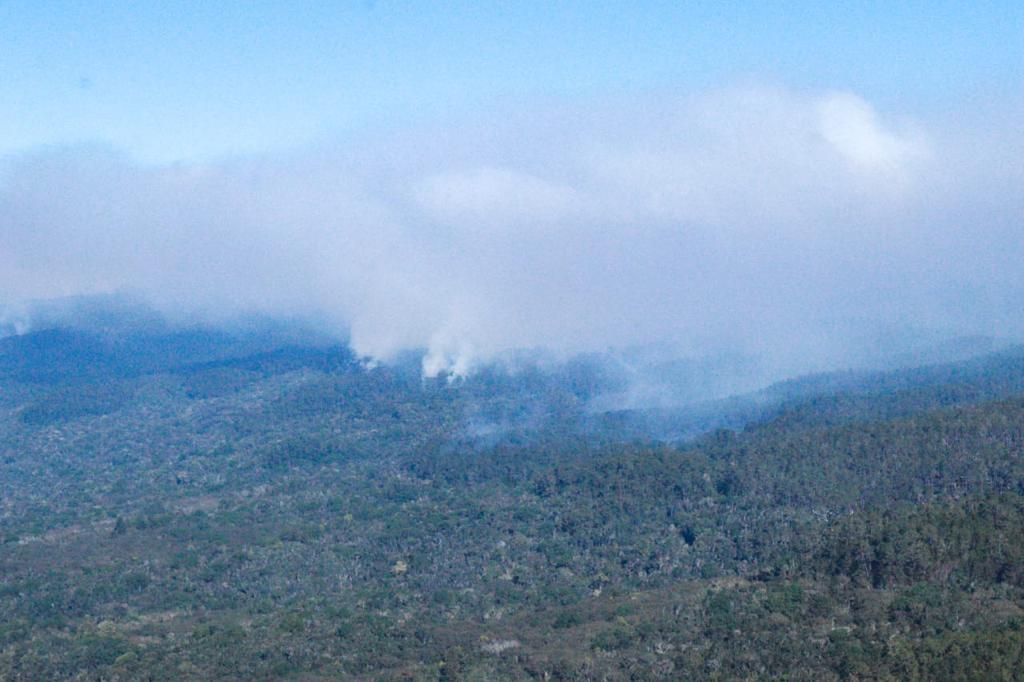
x,y
800,228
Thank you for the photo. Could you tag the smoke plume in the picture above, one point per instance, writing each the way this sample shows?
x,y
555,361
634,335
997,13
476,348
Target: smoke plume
x,y
802,228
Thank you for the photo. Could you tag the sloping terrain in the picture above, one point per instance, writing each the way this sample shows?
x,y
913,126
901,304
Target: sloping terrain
x,y
217,507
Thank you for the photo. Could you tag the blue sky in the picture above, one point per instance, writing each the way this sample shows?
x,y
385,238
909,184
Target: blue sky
x,y
169,81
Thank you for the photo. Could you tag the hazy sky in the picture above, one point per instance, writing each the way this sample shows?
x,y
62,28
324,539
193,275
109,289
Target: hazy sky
x,y
795,181
183,80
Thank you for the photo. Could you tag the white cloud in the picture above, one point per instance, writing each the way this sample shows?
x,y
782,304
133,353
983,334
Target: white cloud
x,y
853,128
488,196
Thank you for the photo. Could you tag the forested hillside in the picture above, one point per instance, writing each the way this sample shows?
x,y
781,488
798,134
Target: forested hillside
x,y
197,505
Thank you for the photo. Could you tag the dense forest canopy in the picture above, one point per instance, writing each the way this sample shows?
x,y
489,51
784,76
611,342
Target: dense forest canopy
x,y
192,504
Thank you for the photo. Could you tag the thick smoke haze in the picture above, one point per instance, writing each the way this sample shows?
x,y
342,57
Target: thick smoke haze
x,y
805,229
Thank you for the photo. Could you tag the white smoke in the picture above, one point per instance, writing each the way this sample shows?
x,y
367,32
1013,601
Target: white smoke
x,y
787,225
